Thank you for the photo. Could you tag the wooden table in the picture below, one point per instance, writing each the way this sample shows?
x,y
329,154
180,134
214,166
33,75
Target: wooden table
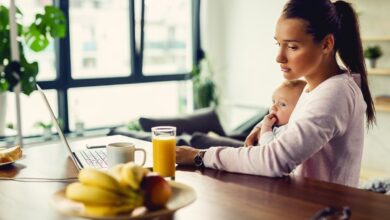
x,y
220,195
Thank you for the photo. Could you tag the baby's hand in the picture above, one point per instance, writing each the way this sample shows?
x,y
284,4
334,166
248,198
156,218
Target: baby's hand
x,y
268,121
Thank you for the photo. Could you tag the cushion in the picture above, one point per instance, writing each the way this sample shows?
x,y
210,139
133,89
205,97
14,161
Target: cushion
x,y
203,120
202,141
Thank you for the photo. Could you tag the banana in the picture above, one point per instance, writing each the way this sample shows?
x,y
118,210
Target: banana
x,y
94,177
93,195
98,210
132,174
116,172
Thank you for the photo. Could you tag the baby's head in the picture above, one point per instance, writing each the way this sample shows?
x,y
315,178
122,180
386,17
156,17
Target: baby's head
x,y
284,99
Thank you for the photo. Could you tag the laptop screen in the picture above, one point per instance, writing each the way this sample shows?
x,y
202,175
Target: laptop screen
x,y
54,120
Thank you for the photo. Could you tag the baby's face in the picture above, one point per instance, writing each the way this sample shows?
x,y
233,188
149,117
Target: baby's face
x,y
283,103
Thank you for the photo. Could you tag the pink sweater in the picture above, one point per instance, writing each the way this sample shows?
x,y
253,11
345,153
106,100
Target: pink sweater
x,y
324,138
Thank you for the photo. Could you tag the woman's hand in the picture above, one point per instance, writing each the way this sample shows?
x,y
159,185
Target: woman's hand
x,y
253,137
185,155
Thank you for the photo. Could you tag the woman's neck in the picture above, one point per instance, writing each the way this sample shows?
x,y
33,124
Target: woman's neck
x,y
324,72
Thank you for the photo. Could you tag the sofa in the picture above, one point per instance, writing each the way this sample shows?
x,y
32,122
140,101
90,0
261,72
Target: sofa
x,y
201,129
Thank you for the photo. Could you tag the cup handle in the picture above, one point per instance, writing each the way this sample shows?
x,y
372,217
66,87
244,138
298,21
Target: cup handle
x,y
140,149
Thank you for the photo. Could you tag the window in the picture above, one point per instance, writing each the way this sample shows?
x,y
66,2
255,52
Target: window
x,y
168,37
96,107
33,110
99,38
120,60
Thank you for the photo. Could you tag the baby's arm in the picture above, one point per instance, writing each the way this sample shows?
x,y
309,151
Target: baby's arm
x,y
268,121
266,134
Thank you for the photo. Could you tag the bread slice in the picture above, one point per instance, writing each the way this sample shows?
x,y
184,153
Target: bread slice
x,y
10,154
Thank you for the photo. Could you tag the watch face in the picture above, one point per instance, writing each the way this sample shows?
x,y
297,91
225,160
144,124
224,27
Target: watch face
x,y
198,161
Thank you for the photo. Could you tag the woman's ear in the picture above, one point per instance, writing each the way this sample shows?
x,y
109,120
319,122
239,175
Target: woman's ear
x,y
328,44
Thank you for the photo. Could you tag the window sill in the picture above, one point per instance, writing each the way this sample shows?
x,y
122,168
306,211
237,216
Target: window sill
x,y
38,140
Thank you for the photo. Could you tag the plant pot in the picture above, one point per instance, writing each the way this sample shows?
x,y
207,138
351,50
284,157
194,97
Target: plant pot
x,y
47,133
371,63
79,128
3,112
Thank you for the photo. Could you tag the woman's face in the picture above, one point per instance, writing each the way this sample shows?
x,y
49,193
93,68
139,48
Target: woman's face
x,y
298,56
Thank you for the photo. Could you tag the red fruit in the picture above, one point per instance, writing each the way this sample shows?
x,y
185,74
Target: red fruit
x,y
157,191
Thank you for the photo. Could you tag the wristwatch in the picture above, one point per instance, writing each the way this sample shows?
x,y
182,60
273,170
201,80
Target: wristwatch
x,y
198,160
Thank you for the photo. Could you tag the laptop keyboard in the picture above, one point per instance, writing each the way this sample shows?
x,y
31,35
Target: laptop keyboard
x,y
96,158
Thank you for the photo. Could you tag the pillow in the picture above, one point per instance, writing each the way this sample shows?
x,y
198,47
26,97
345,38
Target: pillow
x,y
203,120
202,141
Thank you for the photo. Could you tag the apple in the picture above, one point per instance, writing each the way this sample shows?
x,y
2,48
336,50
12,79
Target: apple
x,y
157,191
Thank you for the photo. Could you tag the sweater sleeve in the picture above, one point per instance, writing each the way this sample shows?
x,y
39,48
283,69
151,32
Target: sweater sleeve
x,y
322,117
266,138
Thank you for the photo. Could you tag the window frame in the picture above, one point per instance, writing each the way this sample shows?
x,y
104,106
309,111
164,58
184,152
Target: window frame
x,y
64,81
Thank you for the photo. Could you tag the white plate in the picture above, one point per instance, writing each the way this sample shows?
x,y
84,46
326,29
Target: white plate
x,y
182,195
3,164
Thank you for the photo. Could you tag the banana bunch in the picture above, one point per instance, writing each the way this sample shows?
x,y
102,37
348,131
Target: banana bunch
x,y
129,175
108,193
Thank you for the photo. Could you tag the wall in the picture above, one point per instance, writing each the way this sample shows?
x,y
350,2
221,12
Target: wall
x,y
238,37
374,21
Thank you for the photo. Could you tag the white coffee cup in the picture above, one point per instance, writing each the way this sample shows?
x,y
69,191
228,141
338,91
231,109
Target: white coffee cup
x,y
122,152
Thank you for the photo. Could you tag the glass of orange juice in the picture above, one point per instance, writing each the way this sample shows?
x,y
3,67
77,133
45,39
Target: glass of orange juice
x,y
164,150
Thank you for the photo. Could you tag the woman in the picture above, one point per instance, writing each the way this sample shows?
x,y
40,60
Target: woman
x,y
324,139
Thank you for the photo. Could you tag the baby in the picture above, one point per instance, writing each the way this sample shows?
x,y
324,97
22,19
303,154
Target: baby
x,y
284,99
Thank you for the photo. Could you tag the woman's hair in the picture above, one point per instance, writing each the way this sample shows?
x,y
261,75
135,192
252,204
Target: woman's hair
x,y
339,19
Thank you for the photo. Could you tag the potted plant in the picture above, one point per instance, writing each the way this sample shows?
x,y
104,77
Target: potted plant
x,y
204,88
36,36
46,128
372,53
133,125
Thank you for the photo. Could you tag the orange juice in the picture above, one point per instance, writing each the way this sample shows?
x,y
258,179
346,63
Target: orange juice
x,y
164,156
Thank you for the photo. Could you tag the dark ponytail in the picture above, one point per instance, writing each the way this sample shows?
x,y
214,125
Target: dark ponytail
x,y
324,17
350,50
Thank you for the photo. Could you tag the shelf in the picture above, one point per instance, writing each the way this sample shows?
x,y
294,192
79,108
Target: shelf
x,y
377,38
379,71
382,107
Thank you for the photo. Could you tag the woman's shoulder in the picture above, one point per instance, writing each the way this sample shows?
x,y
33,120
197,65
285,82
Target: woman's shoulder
x,y
341,85
337,93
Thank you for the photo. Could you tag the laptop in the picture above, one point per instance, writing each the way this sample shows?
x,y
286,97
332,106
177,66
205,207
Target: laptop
x,y
92,152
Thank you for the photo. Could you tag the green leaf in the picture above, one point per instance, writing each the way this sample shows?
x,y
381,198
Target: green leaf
x,y
28,76
4,16
55,21
204,89
3,85
43,125
35,39
134,125
50,24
